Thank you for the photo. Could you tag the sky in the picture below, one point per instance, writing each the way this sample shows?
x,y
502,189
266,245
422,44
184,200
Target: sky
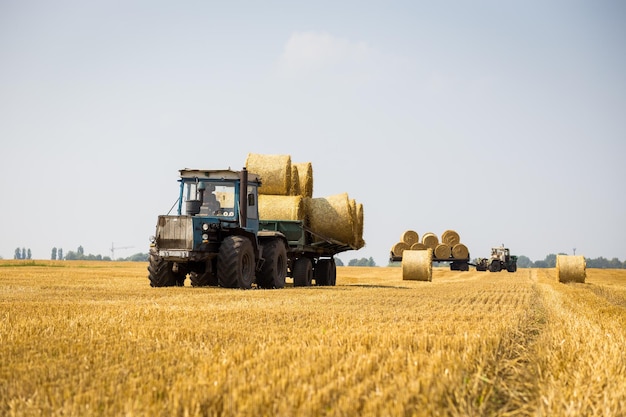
x,y
502,120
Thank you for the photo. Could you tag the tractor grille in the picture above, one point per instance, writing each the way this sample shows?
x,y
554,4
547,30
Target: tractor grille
x,y
175,232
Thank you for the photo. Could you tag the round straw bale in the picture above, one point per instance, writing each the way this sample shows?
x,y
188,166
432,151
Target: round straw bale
x,y
417,265
295,182
332,217
359,229
279,207
399,248
418,246
571,268
430,240
443,251
274,170
305,178
410,237
450,237
460,251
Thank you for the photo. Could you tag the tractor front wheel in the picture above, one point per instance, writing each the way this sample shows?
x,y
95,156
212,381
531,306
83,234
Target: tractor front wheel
x,y
235,263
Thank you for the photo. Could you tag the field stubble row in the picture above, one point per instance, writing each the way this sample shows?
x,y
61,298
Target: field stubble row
x,y
95,339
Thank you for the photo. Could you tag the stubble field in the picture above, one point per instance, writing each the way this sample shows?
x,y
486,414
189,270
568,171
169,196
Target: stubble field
x,y
93,338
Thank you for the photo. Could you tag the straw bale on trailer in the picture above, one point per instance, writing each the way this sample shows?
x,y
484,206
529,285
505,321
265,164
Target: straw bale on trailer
x,y
417,265
430,240
410,237
443,251
359,226
294,183
274,170
571,268
278,207
399,248
450,237
460,251
332,217
305,178
418,246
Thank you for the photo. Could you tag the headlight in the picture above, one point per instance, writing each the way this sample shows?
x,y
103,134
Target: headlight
x,y
205,226
205,236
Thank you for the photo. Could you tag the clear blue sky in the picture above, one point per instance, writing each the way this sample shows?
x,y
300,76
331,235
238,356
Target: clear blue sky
x,y
505,121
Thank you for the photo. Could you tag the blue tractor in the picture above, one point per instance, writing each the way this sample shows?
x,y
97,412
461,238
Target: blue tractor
x,y
217,239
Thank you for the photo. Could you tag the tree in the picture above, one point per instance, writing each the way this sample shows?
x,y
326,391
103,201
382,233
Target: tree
x,y
80,251
60,255
29,254
524,262
23,253
362,262
18,254
53,256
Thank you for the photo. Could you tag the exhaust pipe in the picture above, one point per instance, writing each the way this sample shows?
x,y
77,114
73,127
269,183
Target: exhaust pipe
x,y
243,197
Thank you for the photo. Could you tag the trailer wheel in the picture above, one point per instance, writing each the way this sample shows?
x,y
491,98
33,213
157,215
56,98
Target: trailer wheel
x,y
160,273
274,269
495,267
302,272
235,263
325,272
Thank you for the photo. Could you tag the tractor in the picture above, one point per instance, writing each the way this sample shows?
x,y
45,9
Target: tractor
x,y
501,259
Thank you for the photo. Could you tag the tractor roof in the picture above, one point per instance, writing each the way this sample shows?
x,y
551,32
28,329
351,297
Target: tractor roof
x,y
216,174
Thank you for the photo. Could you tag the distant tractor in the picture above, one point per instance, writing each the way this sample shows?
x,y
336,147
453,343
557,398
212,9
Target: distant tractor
x,y
500,259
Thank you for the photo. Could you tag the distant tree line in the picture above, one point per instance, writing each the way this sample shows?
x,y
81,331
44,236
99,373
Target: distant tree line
x,y
79,255
22,253
361,262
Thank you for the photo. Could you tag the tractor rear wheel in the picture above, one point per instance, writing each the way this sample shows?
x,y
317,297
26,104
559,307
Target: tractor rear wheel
x,y
161,274
512,267
235,263
274,269
302,272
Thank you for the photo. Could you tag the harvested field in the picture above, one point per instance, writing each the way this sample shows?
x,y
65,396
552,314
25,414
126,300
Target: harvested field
x,y
93,338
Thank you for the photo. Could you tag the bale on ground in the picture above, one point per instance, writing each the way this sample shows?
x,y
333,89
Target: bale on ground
x,y
418,246
460,251
332,217
279,207
410,237
305,178
417,265
430,240
571,268
443,251
274,170
450,237
399,248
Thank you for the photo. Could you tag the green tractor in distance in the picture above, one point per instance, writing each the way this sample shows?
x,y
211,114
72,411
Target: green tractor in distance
x,y
500,259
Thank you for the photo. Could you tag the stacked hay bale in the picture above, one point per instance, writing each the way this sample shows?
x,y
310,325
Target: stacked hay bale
x,y
571,268
449,246
286,193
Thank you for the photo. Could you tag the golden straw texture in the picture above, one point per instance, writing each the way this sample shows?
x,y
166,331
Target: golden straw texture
x,y
443,251
305,178
332,217
460,251
450,237
571,268
417,265
430,240
278,207
274,170
418,246
359,229
295,182
410,237
399,248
